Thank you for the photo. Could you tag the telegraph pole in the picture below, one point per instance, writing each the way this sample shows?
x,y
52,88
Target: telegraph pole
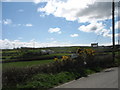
x,y
113,30
118,42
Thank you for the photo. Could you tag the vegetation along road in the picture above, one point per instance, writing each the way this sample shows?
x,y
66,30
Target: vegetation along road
x,y
105,79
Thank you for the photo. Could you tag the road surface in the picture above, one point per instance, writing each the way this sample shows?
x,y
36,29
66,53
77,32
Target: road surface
x,y
106,79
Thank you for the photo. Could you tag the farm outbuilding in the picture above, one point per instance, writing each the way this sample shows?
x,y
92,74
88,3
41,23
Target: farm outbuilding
x,y
94,45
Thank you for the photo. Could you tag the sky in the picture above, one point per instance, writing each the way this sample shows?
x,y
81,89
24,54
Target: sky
x,y
46,23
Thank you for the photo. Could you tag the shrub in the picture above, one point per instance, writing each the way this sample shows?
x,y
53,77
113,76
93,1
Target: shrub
x,y
117,59
47,80
103,61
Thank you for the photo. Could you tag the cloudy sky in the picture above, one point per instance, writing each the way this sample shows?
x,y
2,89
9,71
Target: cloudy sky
x,y
43,23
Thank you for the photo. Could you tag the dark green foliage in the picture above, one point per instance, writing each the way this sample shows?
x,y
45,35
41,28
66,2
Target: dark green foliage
x,y
47,80
103,61
117,60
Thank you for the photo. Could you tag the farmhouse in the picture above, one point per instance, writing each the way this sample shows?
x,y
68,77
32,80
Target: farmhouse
x,y
47,51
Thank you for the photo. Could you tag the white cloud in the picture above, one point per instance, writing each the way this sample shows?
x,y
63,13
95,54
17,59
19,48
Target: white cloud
x,y
117,25
92,27
36,1
42,15
54,30
117,29
28,25
116,35
95,27
7,21
59,32
96,11
19,24
74,35
8,44
10,22
6,0
20,10
51,38
80,10
39,1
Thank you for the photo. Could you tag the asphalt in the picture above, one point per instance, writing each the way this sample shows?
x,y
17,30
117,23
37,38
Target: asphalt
x,y
108,78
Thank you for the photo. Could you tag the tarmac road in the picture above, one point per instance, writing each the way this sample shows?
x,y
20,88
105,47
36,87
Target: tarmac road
x,y
106,79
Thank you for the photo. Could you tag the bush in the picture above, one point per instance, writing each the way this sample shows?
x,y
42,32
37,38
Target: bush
x,y
47,80
103,61
117,59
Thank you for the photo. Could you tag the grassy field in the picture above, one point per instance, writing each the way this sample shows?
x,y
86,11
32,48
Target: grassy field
x,y
26,63
35,58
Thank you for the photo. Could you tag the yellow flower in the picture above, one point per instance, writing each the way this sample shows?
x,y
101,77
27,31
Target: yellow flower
x,y
89,51
84,52
65,57
55,59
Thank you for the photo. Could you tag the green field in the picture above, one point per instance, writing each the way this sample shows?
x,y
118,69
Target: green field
x,y
26,63
18,54
30,57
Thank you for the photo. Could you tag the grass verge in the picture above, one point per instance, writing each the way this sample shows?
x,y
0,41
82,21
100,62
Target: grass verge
x,y
26,63
51,80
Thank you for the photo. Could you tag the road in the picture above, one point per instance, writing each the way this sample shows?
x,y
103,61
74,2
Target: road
x,y
106,79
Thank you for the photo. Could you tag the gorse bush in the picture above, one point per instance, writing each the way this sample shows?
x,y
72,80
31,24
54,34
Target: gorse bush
x,y
87,55
65,58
